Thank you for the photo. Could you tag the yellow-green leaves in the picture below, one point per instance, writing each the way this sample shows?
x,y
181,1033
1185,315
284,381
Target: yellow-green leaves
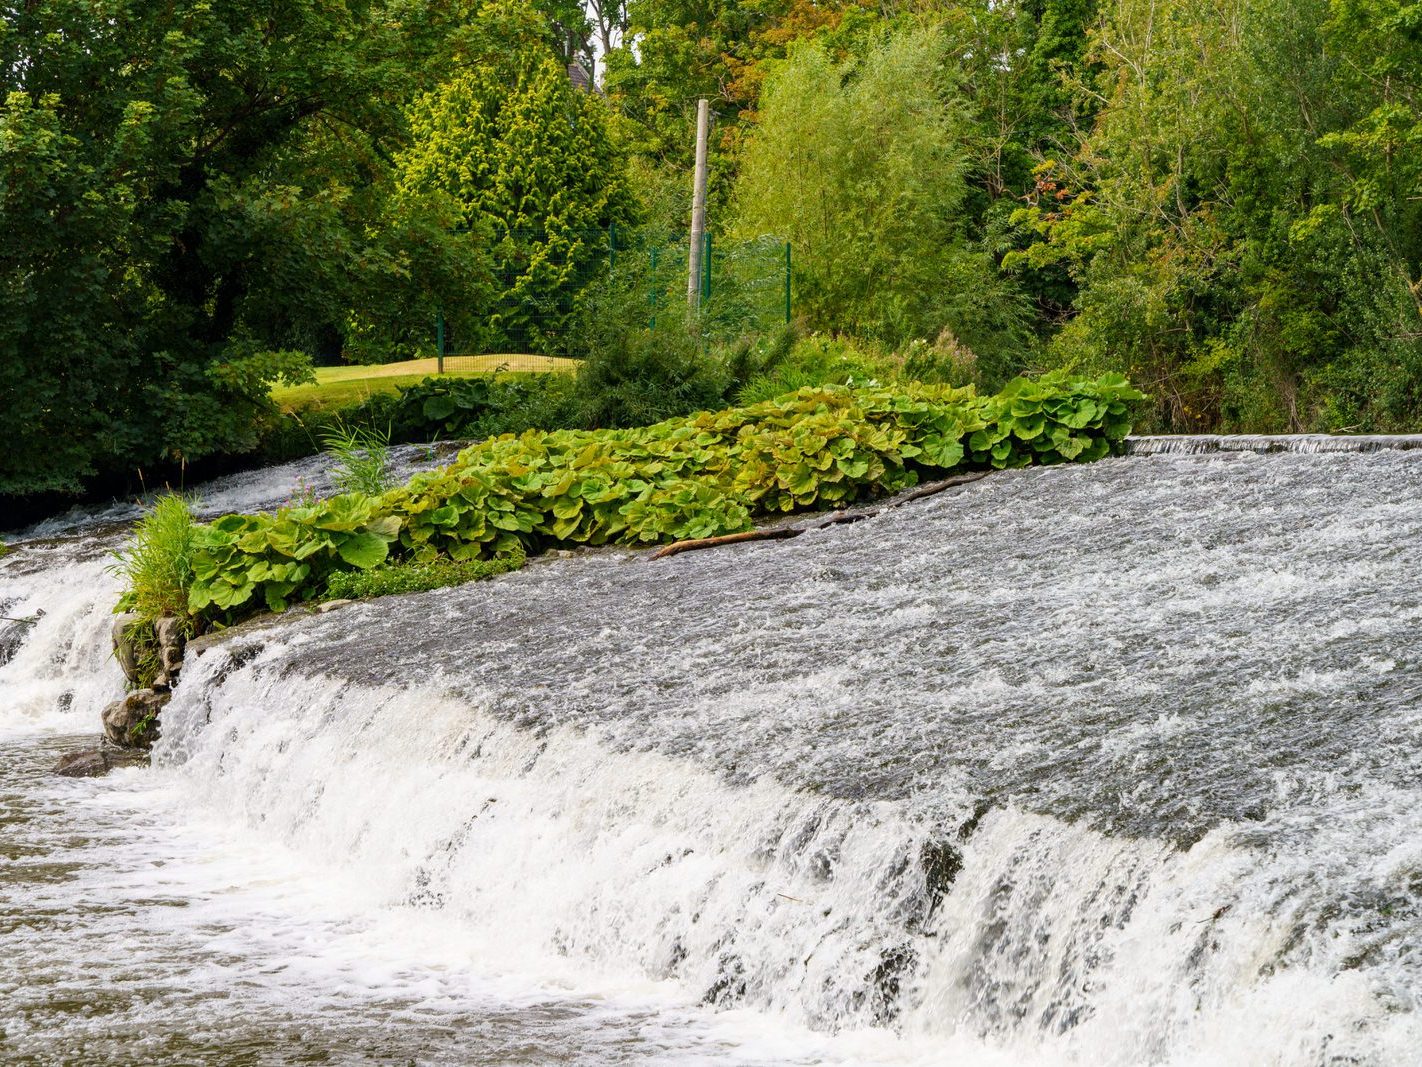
x,y
706,474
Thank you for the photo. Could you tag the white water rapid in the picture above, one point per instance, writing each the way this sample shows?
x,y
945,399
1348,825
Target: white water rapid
x,y
1104,765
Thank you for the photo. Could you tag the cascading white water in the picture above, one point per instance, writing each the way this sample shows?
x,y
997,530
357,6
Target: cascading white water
x,y
1305,443
58,589
1104,765
56,600
1021,936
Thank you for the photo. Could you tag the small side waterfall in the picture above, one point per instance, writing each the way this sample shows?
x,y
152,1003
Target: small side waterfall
x,y
56,667
1307,443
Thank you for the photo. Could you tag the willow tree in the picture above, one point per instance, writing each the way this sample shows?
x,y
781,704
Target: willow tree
x,y
529,161
864,167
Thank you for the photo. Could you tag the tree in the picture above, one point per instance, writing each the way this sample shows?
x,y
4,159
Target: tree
x,y
863,166
186,190
529,161
1242,218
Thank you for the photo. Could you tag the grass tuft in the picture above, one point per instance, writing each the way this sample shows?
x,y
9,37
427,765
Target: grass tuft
x,y
157,569
361,458
157,565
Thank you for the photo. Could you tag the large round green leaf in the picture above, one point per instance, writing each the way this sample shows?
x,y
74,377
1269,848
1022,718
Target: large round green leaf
x,y
364,550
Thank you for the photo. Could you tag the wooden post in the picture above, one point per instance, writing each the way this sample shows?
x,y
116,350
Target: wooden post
x,y
698,203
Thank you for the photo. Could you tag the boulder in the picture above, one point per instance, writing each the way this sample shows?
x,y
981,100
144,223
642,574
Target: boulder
x,y
96,762
124,651
133,721
168,635
87,764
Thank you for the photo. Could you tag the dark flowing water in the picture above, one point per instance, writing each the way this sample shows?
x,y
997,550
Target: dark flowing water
x,y
1115,764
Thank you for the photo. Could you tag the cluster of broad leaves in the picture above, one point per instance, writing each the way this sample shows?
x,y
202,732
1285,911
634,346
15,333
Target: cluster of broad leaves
x,y
698,476
446,407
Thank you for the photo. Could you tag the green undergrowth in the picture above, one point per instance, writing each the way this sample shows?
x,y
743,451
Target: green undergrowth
x,y
410,576
700,475
157,570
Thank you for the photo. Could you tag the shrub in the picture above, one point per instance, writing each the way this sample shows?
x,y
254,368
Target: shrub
x,y
815,361
642,364
480,406
706,474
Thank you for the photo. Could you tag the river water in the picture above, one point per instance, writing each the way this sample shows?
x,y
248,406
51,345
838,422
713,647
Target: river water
x,y
1115,764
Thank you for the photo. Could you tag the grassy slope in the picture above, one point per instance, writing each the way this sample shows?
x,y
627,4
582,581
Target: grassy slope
x,y
340,386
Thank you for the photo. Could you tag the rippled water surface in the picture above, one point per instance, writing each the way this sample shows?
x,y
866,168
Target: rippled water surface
x,y
1103,765
1153,645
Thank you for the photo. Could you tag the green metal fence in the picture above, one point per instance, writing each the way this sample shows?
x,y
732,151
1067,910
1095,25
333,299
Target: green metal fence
x,y
744,287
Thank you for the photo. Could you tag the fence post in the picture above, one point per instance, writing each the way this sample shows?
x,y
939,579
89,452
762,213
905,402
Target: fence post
x,y
787,283
439,341
698,203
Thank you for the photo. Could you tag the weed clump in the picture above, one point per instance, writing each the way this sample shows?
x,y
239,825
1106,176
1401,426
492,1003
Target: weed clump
x,y
415,577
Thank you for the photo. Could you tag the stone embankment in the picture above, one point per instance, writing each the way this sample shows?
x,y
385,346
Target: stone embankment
x,y
132,721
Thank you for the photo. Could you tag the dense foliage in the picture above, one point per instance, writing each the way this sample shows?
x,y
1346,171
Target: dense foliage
x,y
185,189
696,476
863,166
411,576
1244,219
528,160
1221,199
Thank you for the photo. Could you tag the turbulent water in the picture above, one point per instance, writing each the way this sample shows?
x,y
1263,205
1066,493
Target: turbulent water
x,y
1100,765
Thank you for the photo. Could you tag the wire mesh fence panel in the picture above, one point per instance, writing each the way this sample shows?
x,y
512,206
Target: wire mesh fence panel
x,y
745,288
546,284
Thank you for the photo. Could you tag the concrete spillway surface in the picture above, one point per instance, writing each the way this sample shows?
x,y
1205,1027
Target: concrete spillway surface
x,y
1113,764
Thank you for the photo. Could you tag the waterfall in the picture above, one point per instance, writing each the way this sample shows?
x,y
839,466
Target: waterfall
x,y
1102,765
1307,443
56,668
1006,933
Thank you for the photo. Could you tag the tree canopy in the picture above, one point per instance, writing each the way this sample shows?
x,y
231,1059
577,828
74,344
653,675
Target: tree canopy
x,y
1222,198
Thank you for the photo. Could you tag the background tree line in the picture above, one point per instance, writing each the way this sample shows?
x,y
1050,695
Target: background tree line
x,y
1221,198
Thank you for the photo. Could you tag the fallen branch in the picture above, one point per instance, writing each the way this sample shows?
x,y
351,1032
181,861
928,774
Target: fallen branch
x,y
937,487
781,533
841,518
778,533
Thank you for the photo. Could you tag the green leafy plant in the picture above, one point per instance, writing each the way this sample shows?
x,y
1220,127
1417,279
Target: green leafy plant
x,y
413,577
710,473
243,561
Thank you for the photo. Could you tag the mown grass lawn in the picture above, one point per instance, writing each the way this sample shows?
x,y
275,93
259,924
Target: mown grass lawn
x,y
341,386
